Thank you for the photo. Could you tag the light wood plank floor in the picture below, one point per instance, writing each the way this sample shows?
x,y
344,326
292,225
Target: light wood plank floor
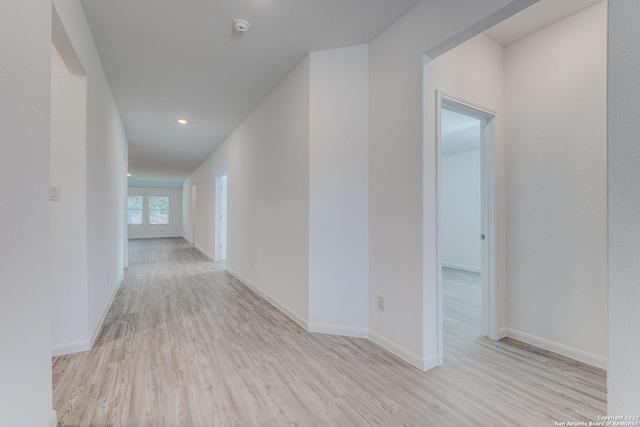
x,y
461,311
185,344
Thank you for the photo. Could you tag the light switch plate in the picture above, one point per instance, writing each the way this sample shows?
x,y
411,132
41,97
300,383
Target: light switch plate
x,y
54,193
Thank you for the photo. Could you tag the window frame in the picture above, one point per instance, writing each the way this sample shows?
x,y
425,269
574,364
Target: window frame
x,y
151,211
141,209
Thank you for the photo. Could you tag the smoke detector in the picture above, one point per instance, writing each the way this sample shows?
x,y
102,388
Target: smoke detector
x,y
241,25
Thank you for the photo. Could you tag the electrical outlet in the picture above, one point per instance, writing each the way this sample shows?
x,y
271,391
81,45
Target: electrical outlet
x,y
380,303
253,266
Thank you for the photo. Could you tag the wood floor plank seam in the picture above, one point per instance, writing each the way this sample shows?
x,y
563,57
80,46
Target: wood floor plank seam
x,y
185,344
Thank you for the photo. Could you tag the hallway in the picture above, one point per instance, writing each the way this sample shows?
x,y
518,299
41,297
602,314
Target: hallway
x,y
185,344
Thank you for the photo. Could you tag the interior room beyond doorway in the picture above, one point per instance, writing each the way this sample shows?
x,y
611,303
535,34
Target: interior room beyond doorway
x,y
460,227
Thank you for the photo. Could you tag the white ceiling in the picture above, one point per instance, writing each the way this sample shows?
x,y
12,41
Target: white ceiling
x,y
460,133
534,18
168,59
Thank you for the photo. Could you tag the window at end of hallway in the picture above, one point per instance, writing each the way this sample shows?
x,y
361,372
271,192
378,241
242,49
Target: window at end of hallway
x,y
134,210
158,210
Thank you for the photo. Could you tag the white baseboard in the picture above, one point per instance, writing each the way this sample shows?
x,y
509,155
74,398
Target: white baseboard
x,y
561,349
404,354
168,236
461,267
430,362
53,420
502,333
205,253
85,345
274,302
345,331
96,331
401,352
68,348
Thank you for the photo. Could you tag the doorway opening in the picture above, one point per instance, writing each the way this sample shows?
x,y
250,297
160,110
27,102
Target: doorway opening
x,y
465,214
221,217
193,213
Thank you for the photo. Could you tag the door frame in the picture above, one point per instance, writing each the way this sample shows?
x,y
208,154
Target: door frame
x,y
221,180
194,206
489,289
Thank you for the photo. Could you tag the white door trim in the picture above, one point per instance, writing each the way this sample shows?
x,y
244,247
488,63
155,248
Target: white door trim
x,y
488,221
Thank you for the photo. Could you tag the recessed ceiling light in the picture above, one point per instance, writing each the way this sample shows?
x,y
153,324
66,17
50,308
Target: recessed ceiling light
x,y
128,174
182,121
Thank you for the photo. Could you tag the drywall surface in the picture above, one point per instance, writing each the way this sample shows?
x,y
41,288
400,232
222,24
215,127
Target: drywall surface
x,y
267,162
198,213
69,214
473,72
338,191
460,210
188,208
399,250
623,376
106,170
556,185
25,291
173,229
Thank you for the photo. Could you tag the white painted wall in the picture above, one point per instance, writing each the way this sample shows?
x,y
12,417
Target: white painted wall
x,y
395,113
69,215
204,178
556,186
556,234
187,211
338,191
460,209
623,376
320,109
106,171
173,229
267,161
472,71
400,248
25,291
